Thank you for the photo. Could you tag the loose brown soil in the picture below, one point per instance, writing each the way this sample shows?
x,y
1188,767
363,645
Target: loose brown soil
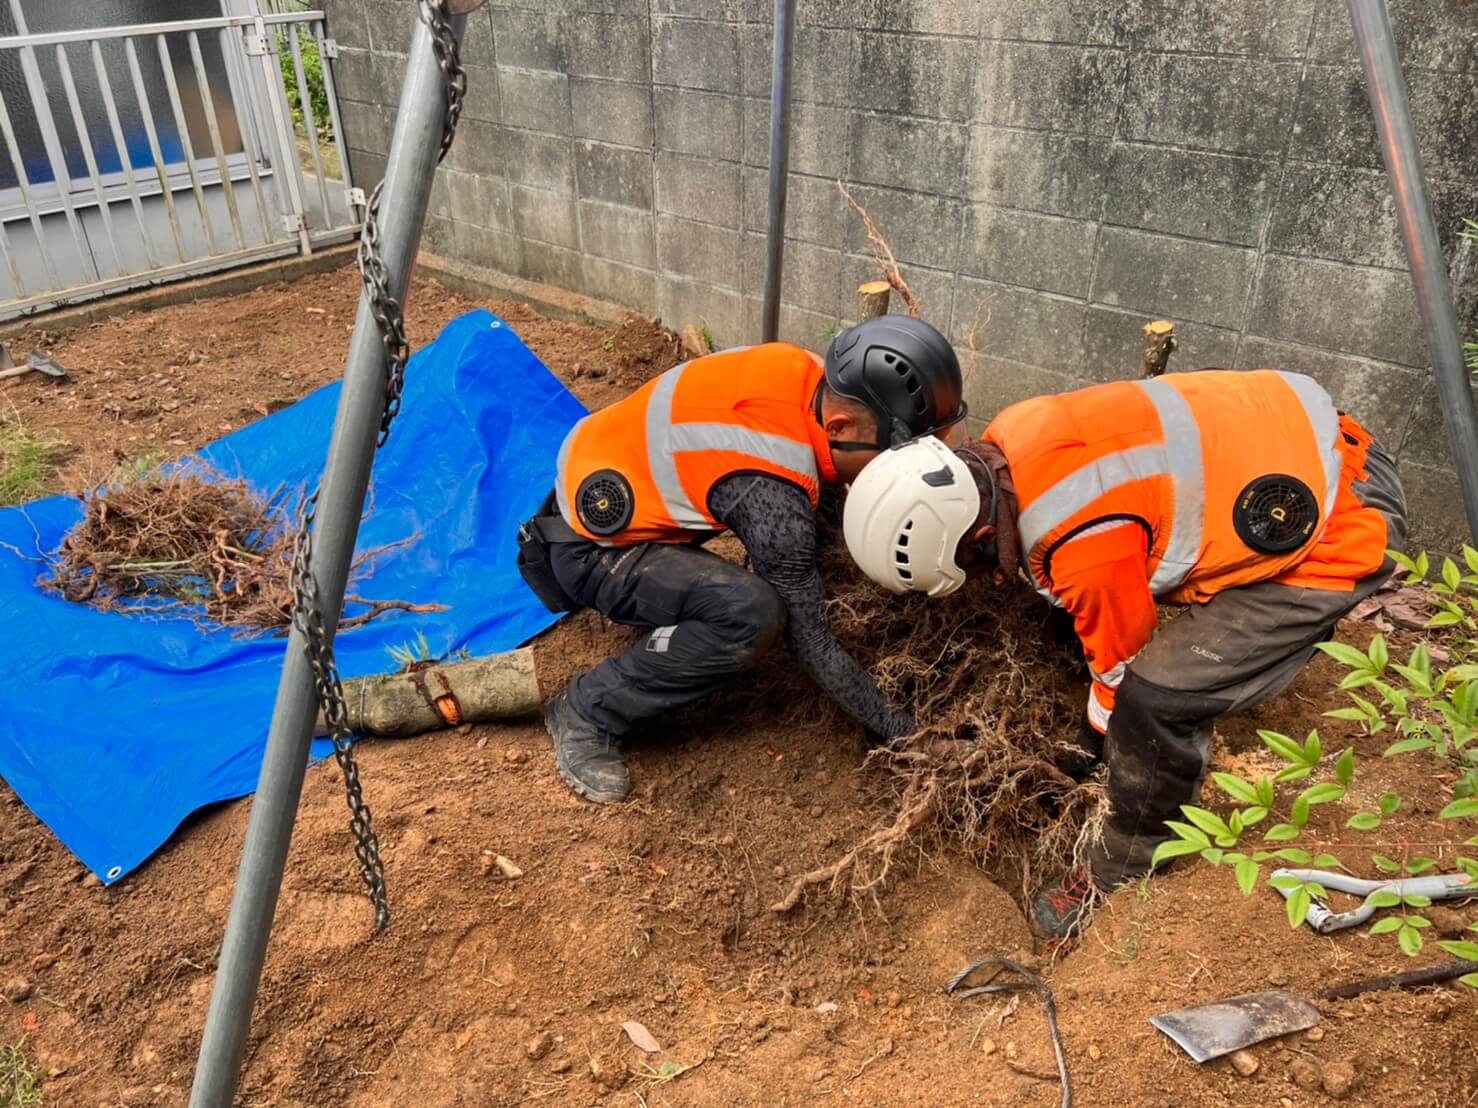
x,y
488,991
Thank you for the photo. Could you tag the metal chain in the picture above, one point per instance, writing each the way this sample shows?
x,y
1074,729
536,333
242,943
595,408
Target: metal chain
x,y
308,608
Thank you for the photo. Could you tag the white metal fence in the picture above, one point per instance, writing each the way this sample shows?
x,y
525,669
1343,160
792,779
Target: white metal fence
x,y
139,154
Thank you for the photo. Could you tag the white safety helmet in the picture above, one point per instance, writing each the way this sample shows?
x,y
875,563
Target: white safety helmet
x,y
906,514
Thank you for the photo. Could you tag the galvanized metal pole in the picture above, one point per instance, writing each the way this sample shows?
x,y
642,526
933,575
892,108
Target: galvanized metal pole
x,y
408,173
1388,100
779,166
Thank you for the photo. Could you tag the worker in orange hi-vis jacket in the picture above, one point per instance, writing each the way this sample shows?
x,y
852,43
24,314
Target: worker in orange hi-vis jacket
x,y
743,441
1246,495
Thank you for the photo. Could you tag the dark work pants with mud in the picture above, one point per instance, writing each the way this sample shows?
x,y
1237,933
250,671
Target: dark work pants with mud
x,y
708,619
1241,648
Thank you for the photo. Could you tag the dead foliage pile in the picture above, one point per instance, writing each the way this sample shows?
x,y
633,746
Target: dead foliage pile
x,y
191,542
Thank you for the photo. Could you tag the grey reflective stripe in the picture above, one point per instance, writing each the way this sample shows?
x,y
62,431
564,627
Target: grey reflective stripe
x,y
1324,419
660,456
1083,486
1184,464
560,496
798,457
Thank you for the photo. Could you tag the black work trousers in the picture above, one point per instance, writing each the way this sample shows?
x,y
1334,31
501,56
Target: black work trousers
x,y
709,619
1239,649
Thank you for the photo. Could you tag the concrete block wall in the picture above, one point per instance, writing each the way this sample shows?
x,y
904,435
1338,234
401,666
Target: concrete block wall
x,y
1050,175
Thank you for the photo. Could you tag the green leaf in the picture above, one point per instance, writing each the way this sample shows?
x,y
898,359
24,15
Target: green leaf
x,y
1470,980
1348,713
1383,898
1358,679
1209,822
1255,814
1465,808
1293,773
1300,812
1265,791
1313,749
1410,939
1416,900
1405,746
1448,618
1281,833
1285,881
1471,557
1389,804
1364,821
1401,560
1188,833
1423,565
1344,767
1420,865
1378,654
1385,926
1323,793
1294,854
1325,861
1382,862
1173,848
1283,746
1238,789
1213,855
1461,948
1464,673
1419,922
1298,907
1346,655
1247,872
1452,577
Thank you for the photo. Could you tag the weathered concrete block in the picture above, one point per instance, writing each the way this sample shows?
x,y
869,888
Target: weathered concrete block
x,y
814,278
614,174
1434,505
899,153
477,40
611,112
543,161
818,137
1378,394
1426,441
1113,342
367,126
1369,312
554,264
1042,252
609,46
813,208
681,302
621,284
529,39
346,23
618,234
926,76
1176,278
1349,215
479,199
1430,34
821,74
921,229
699,250
695,54
997,383
1335,123
1242,105
709,124
1200,195
1267,28
926,17
813,330
366,167
1064,88
535,100
480,148
721,10
1079,22
366,77
390,24
698,189
548,217
1019,325
481,101
1040,171
480,246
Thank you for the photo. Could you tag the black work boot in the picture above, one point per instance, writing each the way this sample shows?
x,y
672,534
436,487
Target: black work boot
x,y
1064,909
589,759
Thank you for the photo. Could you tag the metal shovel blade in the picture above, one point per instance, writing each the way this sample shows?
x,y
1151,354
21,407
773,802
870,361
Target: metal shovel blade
x,y
1208,1031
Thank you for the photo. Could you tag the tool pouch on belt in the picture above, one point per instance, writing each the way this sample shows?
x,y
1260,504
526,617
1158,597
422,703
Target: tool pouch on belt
x,y
534,539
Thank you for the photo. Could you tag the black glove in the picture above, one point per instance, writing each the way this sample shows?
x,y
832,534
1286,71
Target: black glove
x,y
1083,755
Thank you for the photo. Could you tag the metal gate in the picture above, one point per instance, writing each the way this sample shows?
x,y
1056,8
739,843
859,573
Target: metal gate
x,y
140,154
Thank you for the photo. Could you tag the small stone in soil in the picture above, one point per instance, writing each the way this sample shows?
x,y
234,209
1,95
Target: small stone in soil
x,y
1314,1034
1244,1063
779,871
560,1065
1339,1078
1011,1050
895,998
540,1045
817,811
1306,1073
507,868
1094,1052
609,1072
1445,921
727,839
16,990
988,1047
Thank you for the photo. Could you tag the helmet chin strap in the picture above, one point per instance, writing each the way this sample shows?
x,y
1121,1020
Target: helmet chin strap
x,y
987,549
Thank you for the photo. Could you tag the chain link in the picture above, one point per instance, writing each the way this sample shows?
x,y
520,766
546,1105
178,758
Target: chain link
x,y
308,608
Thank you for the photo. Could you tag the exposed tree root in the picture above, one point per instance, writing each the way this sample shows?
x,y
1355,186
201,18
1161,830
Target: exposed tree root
x,y
887,263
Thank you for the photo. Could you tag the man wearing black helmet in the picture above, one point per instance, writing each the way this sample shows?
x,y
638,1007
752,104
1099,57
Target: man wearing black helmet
x,y
740,440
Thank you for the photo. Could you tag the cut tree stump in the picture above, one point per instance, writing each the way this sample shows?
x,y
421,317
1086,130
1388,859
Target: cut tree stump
x,y
872,299
1159,343
502,686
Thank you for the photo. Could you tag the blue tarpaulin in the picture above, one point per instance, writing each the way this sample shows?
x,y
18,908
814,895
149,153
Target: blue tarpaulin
x,y
115,727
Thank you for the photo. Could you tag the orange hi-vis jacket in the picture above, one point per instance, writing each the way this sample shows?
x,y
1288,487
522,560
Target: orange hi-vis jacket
x,y
1127,492
748,410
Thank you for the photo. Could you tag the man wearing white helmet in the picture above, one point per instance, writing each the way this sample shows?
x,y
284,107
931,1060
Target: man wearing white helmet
x,y
1245,495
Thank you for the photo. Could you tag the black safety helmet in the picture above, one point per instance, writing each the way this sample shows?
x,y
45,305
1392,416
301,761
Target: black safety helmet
x,y
905,372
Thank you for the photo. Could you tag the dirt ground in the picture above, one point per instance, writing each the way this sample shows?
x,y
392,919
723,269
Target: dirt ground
x,y
488,991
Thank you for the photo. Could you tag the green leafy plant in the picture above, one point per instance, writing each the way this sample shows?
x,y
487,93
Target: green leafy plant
x,y
20,1084
312,76
409,655
25,464
707,336
1434,713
